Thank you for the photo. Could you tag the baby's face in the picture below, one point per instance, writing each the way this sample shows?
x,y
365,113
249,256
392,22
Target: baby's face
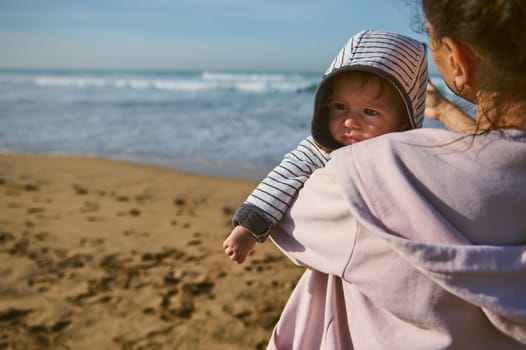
x,y
361,108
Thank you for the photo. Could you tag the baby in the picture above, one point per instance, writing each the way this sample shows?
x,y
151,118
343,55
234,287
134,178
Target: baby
x,y
375,85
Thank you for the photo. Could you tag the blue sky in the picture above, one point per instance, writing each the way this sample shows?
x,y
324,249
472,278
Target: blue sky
x,y
302,35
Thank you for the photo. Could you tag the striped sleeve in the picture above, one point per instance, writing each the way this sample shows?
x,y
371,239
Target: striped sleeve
x,y
269,201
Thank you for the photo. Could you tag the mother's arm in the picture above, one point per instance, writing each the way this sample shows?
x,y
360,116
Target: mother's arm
x,y
319,230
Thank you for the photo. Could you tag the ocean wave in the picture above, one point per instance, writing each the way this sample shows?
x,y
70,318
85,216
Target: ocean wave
x,y
259,77
206,81
309,88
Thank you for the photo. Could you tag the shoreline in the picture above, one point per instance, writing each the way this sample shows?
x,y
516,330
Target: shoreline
x,y
109,254
207,167
198,166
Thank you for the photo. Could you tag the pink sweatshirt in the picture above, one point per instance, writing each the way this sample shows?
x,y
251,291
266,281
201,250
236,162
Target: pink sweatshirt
x,y
412,242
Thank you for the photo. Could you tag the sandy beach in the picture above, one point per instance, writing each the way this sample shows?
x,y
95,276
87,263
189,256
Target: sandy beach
x,y
99,254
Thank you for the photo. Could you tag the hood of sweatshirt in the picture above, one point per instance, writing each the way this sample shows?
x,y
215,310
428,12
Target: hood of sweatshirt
x,y
394,57
468,236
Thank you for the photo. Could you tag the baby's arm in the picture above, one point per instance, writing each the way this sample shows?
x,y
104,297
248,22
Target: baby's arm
x,y
453,118
269,201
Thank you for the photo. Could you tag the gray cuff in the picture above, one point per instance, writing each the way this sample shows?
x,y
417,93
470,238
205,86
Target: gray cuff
x,y
254,219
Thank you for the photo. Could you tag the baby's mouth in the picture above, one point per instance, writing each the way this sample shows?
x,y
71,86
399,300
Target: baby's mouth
x,y
349,140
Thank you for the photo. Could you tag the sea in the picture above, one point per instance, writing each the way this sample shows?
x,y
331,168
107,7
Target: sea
x,y
220,123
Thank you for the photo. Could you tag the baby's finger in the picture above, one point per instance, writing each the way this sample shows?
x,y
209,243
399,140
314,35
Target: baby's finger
x,y
235,257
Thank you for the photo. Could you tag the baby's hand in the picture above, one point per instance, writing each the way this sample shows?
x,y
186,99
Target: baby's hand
x,y
436,105
441,109
239,244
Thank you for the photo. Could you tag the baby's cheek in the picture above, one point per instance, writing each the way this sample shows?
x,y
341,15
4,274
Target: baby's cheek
x,y
372,129
376,130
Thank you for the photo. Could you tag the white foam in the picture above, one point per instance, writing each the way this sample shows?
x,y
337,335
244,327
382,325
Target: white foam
x,y
205,81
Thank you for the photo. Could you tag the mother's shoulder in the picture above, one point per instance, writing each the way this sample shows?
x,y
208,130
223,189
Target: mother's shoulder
x,y
403,140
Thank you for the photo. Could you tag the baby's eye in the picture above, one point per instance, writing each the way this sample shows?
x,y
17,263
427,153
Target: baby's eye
x,y
338,106
370,112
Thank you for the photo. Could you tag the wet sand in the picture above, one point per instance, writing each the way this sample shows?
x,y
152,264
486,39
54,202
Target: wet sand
x,y
99,254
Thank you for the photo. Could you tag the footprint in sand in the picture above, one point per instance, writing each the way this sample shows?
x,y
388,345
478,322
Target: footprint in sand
x,y
94,218
178,202
31,187
194,242
122,198
134,212
202,286
6,237
52,324
41,236
20,247
228,211
172,279
136,234
91,242
182,307
11,314
75,261
89,207
35,210
173,305
79,189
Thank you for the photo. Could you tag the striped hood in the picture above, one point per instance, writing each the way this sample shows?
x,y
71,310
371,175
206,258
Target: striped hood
x,y
394,57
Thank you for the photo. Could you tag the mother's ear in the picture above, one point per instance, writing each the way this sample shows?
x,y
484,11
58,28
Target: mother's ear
x,y
460,58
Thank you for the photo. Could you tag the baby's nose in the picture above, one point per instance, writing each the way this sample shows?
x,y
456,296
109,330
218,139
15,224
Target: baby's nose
x,y
351,121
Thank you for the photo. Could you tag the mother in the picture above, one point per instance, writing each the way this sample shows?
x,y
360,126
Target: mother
x,y
416,240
